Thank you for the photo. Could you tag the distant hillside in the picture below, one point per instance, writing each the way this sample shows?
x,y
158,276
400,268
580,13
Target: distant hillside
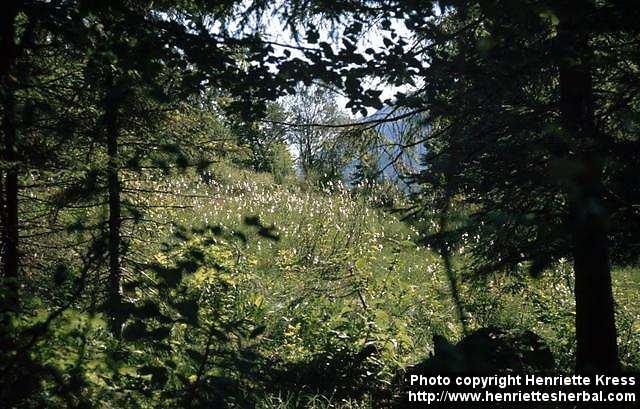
x,y
397,148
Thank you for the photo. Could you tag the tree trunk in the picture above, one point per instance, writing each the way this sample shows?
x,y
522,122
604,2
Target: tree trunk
x,y
10,257
10,219
115,220
445,253
595,318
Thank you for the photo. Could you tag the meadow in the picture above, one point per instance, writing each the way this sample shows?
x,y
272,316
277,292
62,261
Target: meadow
x,y
340,273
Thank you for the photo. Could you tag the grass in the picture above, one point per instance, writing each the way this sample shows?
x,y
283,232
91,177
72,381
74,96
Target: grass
x,y
341,275
341,255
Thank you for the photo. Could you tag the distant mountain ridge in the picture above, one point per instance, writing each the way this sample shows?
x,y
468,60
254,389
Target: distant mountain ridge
x,y
397,149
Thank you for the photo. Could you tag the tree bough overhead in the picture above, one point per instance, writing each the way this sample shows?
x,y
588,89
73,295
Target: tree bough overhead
x,y
299,203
